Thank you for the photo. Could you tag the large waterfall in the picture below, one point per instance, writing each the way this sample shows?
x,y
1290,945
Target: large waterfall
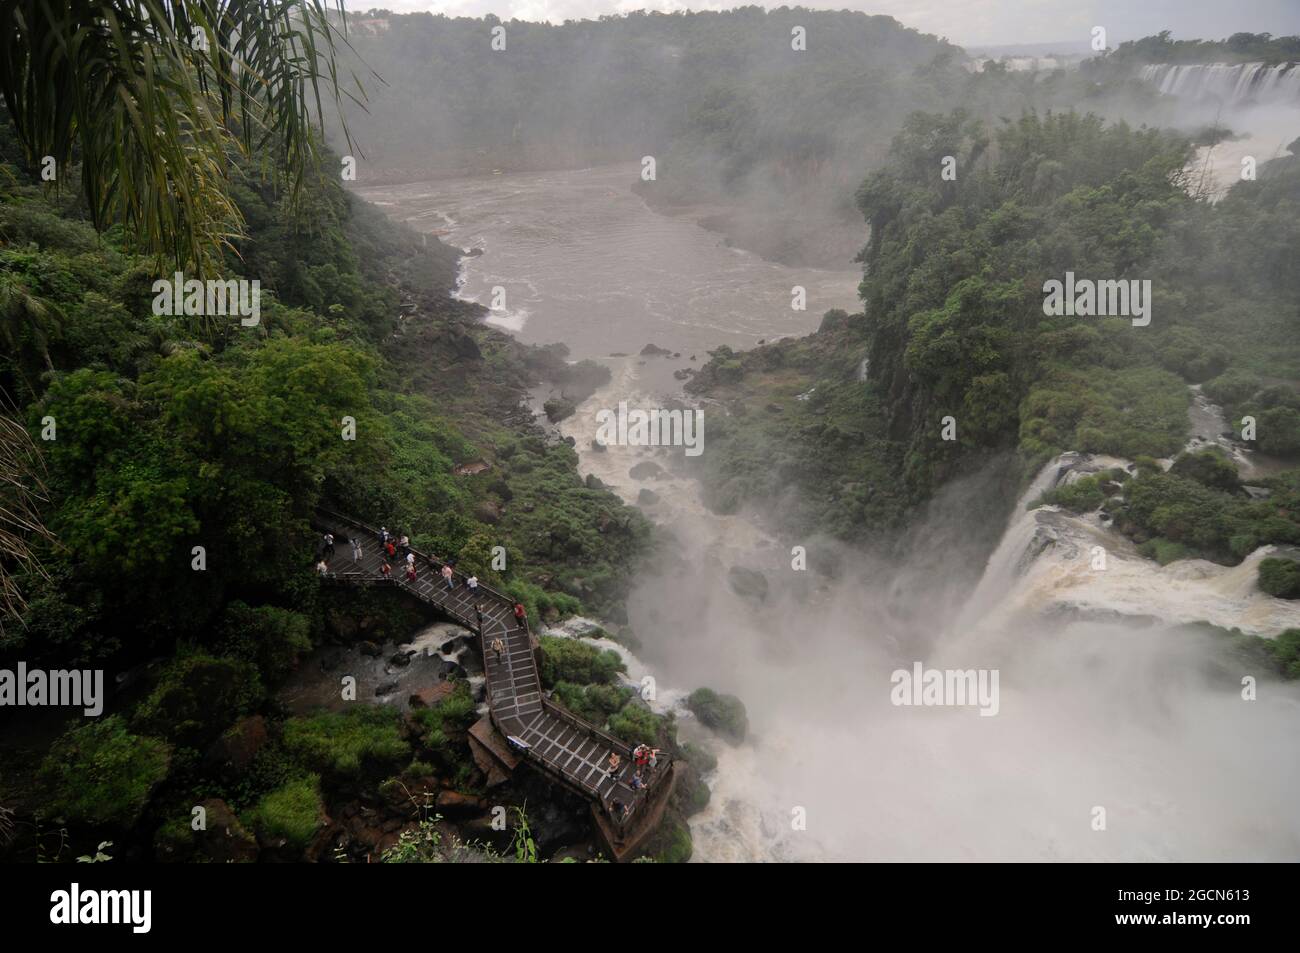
x,y
1229,83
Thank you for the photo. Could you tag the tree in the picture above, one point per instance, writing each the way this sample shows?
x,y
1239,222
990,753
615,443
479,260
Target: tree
x,y
152,96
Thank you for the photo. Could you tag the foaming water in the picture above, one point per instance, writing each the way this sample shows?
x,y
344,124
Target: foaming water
x,y
1093,714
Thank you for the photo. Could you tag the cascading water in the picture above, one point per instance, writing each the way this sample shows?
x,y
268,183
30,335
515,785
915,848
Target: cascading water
x,y
1229,83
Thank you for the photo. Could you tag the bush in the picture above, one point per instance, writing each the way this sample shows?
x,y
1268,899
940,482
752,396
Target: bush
x,y
1082,496
197,696
450,717
341,745
1280,577
1286,650
101,773
572,660
270,637
292,812
725,714
636,724
1210,468
1163,551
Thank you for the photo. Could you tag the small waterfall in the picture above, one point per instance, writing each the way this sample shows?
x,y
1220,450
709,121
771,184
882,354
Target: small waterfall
x,y
1005,564
1230,83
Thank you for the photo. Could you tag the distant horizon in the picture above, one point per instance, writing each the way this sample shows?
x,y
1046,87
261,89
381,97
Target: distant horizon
x,y
971,24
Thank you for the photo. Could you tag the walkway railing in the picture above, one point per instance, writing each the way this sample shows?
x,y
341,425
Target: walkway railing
x,y
563,746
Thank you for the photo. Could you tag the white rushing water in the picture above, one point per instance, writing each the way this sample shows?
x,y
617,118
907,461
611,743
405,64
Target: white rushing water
x,y
1229,83
1095,713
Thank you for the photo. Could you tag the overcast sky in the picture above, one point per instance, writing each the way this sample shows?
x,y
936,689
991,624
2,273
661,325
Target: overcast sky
x,y
967,22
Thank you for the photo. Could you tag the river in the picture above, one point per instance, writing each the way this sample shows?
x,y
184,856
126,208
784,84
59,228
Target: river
x,y
1095,714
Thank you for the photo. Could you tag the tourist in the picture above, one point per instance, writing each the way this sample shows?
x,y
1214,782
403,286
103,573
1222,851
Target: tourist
x,y
478,614
329,546
410,573
356,549
389,549
383,535
641,755
322,568
619,809
410,561
521,616
386,570
636,783
615,762
449,576
404,545
654,758
472,582
498,647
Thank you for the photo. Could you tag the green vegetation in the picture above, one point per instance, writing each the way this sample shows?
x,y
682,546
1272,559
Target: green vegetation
x,y
343,746
573,660
292,813
725,714
1280,577
954,325
1175,516
102,774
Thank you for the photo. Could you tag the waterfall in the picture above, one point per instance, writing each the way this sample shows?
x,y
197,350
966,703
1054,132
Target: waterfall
x,y
1230,83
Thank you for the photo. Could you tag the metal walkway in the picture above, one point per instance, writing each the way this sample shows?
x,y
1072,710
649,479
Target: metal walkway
x,y
569,750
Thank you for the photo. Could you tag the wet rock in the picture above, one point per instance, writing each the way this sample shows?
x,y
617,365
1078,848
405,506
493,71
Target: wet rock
x,y
400,659
653,350
225,841
370,649
597,446
747,583
455,804
647,497
594,482
235,750
647,470
386,688
429,697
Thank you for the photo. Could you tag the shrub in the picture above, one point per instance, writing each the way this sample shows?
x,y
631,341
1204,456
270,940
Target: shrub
x,y
1210,468
270,637
341,745
572,660
101,773
1082,496
635,724
292,812
725,714
1280,577
1286,649
197,696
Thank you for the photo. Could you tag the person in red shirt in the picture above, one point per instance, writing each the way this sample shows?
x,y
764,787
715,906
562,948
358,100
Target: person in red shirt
x,y
521,616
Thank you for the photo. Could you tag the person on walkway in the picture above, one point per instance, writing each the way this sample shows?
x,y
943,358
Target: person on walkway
x,y
389,549
498,647
404,545
410,572
329,546
449,576
322,568
383,535
472,582
521,616
356,549
619,809
410,561
386,570
615,762
654,758
478,614
636,783
641,755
